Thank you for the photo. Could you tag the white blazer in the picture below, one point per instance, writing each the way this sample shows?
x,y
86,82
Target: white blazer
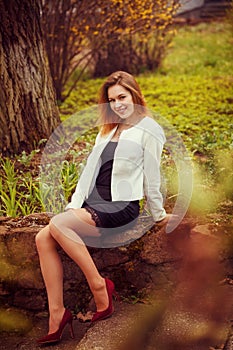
x,y
136,167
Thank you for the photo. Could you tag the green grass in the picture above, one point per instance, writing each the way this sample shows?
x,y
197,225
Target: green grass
x,y
200,108
193,89
204,49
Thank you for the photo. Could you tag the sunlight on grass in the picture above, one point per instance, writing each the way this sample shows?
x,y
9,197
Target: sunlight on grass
x,y
202,49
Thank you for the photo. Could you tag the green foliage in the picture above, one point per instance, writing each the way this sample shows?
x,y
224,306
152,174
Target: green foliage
x,y
23,191
199,108
86,95
196,98
192,91
25,158
8,188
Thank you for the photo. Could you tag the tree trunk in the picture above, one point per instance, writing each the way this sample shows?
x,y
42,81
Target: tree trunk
x,y
28,110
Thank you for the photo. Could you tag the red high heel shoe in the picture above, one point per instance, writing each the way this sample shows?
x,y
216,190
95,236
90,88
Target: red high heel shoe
x,y
56,336
101,315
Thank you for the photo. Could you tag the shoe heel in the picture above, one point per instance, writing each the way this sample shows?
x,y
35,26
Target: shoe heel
x,y
71,329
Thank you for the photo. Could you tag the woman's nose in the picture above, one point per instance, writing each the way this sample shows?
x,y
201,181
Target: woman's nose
x,y
117,103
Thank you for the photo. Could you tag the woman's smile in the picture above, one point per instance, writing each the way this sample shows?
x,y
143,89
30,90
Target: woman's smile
x,y
121,101
121,109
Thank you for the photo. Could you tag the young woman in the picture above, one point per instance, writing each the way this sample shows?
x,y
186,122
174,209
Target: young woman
x,y
123,167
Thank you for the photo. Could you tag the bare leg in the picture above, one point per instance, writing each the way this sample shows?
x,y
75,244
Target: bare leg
x,y
52,271
60,229
67,225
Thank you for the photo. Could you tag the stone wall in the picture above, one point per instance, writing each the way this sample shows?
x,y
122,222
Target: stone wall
x,y
148,263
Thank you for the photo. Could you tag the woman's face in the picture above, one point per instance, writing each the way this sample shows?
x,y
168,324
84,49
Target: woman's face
x,y
121,101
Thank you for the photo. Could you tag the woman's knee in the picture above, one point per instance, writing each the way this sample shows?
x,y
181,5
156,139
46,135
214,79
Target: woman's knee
x,y
78,222
42,238
57,224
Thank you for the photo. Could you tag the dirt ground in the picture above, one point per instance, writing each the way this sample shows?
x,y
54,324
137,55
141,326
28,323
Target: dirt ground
x,y
128,329
11,341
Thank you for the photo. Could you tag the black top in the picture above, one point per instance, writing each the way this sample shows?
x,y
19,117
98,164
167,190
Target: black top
x,y
99,203
102,188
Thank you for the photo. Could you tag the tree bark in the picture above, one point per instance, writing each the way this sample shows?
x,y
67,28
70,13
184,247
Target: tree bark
x,y
28,110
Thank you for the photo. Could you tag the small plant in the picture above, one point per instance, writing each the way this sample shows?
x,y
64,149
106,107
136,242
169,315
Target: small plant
x,y
8,188
25,158
69,178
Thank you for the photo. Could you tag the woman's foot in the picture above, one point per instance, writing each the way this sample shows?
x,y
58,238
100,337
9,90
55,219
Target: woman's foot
x,y
55,319
107,311
55,337
100,295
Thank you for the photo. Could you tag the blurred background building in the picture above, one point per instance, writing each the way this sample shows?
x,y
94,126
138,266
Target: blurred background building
x,y
203,9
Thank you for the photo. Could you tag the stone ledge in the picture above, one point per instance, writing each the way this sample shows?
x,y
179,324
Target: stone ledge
x,y
153,256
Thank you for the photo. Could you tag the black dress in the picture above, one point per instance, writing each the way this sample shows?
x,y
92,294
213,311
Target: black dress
x,y
105,212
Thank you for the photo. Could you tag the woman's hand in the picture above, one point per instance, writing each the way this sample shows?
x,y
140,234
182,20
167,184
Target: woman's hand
x,y
165,220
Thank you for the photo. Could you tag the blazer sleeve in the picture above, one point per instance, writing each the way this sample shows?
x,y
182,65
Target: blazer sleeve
x,y
79,194
153,146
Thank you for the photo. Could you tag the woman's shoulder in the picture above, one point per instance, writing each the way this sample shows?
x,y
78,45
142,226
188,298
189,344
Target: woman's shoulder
x,y
150,123
152,127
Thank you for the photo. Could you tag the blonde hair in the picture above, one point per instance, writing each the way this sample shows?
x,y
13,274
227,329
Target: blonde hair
x,y
108,119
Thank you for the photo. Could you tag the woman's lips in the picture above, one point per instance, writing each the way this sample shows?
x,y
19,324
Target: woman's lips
x,y
121,110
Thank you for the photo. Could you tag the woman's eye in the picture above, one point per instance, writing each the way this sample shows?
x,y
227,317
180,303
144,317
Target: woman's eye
x,y
122,97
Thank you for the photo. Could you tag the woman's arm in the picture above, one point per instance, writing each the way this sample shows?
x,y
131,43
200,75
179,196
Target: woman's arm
x,y
79,194
153,146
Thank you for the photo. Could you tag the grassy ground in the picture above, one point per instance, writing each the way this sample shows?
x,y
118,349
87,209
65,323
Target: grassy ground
x,y
204,49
